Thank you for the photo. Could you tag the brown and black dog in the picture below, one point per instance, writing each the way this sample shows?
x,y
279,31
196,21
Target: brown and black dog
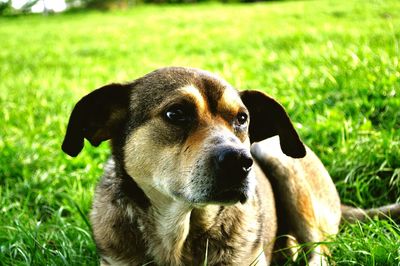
x,y
184,185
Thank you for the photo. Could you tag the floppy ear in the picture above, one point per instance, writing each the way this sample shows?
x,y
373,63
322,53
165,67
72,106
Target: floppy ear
x,y
268,118
96,117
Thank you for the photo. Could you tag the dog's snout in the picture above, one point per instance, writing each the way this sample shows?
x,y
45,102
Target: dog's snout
x,y
233,163
235,160
247,162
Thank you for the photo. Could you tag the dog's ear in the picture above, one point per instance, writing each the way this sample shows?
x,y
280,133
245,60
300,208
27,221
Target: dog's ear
x,y
96,117
268,118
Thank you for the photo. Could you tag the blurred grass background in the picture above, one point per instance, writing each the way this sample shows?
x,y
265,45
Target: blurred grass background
x,y
334,65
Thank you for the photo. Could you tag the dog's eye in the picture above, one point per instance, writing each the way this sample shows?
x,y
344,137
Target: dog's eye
x,y
242,118
177,115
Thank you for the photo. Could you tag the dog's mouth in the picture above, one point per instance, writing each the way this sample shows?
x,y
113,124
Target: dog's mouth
x,y
226,196
233,191
231,196
219,191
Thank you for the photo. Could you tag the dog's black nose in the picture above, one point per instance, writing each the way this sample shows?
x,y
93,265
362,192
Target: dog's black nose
x,y
233,164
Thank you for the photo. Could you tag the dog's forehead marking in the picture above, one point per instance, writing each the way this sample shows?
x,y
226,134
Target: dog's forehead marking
x,y
230,100
193,92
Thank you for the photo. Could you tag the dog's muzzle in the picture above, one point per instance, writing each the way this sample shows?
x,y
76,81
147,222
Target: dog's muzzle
x,y
232,166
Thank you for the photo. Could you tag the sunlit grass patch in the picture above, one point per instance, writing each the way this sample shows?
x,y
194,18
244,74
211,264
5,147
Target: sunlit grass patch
x,y
334,65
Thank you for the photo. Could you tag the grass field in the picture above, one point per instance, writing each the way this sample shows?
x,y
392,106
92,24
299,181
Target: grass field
x,y
333,64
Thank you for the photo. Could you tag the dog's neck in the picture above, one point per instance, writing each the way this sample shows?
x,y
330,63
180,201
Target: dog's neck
x,y
171,222
171,228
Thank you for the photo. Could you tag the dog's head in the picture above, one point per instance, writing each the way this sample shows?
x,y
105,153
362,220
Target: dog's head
x,y
183,132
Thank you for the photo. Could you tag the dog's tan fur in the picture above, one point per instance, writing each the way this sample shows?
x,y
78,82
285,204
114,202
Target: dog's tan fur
x,y
166,197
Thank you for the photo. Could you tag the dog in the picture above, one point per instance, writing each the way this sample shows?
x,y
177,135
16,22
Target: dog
x,y
201,173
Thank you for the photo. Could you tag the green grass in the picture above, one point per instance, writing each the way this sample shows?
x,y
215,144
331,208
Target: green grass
x,y
333,64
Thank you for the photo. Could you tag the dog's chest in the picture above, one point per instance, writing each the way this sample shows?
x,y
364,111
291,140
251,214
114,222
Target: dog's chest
x,y
233,239
212,250
228,242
